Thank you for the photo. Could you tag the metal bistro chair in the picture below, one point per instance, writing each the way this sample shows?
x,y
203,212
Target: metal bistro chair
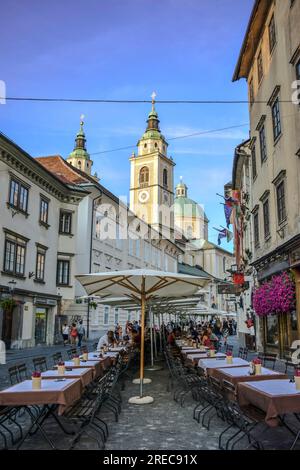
x,y
71,352
40,364
242,421
229,348
9,426
22,371
57,357
13,375
243,353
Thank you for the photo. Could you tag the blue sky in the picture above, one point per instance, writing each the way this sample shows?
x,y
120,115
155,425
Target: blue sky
x,y
125,49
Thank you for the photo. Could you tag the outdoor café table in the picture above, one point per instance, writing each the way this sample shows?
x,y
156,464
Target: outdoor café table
x,y
54,395
212,363
85,374
94,365
235,375
275,397
94,356
193,350
195,357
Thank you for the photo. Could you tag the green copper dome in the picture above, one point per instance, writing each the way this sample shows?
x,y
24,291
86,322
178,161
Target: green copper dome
x,y
186,207
80,145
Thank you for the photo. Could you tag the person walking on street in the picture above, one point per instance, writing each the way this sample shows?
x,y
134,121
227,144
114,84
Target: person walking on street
x,y
73,334
65,333
80,332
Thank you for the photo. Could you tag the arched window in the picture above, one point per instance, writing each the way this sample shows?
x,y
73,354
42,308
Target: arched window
x,y
189,232
144,176
79,163
145,146
165,177
155,145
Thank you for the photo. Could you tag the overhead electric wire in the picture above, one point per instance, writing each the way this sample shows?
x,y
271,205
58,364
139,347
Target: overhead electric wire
x,y
194,134
96,100
176,138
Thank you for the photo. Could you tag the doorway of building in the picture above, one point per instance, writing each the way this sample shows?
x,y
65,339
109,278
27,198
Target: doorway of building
x,y
41,316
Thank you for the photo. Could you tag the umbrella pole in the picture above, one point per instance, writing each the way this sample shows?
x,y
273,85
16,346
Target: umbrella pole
x,y
160,333
154,336
143,305
151,337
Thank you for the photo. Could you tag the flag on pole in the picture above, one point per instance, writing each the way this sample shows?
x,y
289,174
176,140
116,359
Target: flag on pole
x,y
224,233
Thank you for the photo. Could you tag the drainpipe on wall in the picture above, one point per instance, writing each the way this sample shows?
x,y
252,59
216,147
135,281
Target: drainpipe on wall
x,y
91,257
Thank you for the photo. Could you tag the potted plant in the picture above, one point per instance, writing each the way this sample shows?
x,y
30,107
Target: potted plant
x,y
61,368
257,366
229,357
212,351
93,304
76,360
297,379
8,305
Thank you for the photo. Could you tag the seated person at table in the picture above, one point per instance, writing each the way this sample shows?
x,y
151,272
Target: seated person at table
x,y
136,338
205,339
171,338
194,334
106,340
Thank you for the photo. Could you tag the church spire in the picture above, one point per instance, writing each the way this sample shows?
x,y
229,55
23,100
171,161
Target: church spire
x,y
153,121
80,158
80,137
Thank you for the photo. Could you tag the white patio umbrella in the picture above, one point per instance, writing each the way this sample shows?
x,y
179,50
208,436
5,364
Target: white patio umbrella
x,y
141,285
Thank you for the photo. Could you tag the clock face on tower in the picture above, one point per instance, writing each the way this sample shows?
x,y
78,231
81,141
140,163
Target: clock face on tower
x,y
143,196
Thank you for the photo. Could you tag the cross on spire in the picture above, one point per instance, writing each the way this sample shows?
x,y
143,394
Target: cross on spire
x,y
153,96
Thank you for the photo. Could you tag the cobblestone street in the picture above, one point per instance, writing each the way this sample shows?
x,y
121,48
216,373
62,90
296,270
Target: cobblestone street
x,y
163,425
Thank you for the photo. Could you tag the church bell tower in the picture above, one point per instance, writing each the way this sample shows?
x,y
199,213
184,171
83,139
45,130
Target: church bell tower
x,y
152,177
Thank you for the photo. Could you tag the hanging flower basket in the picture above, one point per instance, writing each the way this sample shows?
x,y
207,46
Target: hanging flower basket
x,y
8,305
93,305
276,296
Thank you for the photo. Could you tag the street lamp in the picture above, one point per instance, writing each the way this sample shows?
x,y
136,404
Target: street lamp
x,y
12,285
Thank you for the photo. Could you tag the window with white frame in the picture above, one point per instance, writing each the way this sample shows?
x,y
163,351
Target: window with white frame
x,y
106,315
14,254
18,195
63,272
116,316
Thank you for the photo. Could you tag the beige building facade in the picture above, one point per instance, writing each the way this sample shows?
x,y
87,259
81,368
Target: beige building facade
x,y
270,62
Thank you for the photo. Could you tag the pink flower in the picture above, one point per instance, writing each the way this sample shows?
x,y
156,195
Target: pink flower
x,y
256,361
36,374
275,296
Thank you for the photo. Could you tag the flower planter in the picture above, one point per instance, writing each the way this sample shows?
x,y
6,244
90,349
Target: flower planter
x,y
257,369
36,383
297,382
229,359
61,370
212,353
85,356
76,361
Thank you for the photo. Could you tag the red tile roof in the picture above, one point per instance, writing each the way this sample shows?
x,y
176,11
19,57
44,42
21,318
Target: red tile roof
x,y
61,169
